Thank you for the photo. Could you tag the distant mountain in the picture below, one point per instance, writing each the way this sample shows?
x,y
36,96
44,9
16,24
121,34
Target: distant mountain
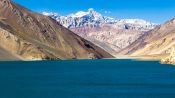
x,y
114,34
30,36
95,19
79,19
158,43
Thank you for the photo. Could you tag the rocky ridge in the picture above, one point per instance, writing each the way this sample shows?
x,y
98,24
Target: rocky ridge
x,y
157,43
31,36
116,34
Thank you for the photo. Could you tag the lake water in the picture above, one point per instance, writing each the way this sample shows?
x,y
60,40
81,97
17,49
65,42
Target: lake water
x,y
87,79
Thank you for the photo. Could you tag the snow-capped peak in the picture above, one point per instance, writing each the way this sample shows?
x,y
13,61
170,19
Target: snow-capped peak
x,y
81,18
78,14
50,14
91,13
136,21
91,10
95,14
94,19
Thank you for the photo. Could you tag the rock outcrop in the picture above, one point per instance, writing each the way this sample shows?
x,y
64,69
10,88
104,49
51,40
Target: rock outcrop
x,y
169,59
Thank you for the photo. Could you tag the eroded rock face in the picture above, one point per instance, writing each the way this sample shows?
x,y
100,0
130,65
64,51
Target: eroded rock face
x,y
34,36
20,47
116,38
170,59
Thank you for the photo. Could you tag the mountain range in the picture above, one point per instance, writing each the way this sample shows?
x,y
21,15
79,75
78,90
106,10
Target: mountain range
x,y
123,38
27,35
108,33
95,19
158,44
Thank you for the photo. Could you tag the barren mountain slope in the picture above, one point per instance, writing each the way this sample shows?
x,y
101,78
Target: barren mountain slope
x,y
157,43
109,33
34,36
115,38
6,55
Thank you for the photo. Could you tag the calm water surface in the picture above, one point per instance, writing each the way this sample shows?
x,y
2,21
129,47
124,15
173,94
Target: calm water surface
x,y
87,79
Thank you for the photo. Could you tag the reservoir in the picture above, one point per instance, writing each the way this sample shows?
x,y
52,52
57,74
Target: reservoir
x,y
87,79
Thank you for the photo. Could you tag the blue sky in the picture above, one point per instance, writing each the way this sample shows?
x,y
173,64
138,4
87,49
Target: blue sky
x,y
157,11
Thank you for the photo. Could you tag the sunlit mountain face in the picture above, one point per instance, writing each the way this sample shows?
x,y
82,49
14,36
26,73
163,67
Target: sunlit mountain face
x,y
109,33
25,35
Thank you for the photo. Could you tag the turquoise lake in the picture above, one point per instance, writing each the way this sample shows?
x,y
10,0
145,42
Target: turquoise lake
x,y
87,79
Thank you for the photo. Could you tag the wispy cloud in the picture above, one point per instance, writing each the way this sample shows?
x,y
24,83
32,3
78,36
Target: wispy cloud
x,y
107,12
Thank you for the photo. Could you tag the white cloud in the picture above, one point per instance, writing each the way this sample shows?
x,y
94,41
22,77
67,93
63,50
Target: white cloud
x,y
49,13
107,12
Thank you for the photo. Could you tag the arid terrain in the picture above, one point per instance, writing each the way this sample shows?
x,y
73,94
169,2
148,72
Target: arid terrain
x,y
26,35
108,33
158,43
30,36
